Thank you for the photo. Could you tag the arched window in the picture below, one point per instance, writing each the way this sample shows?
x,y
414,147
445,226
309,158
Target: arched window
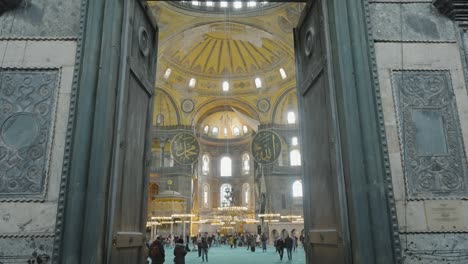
x,y
246,163
226,167
206,129
295,157
225,85
206,193
291,117
167,74
160,119
225,131
294,141
225,193
236,131
206,164
297,189
283,73
245,129
246,194
215,131
258,82
192,82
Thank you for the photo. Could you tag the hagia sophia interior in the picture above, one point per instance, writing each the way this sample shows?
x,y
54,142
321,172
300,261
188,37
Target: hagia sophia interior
x,y
224,73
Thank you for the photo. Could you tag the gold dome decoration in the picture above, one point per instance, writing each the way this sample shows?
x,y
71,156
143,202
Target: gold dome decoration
x,y
220,51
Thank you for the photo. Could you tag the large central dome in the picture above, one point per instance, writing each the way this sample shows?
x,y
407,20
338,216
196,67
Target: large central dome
x,y
225,49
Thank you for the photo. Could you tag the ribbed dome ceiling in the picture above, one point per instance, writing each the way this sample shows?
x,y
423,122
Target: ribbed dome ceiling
x,y
221,50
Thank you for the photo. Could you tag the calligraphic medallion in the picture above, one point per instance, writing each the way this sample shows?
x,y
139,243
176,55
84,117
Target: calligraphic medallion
x,y
266,147
185,148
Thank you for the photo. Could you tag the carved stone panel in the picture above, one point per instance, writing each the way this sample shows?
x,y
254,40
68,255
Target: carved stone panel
x,y
27,110
430,134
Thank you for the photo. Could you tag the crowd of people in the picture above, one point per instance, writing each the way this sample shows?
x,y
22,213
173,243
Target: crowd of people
x,y
202,243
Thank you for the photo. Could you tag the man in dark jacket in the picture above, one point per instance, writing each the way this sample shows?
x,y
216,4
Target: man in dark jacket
x,y
204,249
156,252
280,247
179,252
288,243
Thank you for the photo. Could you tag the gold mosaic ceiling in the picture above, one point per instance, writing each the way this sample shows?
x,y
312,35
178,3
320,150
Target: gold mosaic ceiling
x,y
213,48
226,50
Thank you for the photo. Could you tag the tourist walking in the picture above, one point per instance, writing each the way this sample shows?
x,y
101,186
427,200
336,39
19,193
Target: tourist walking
x,y
288,244
179,252
156,252
280,247
204,249
248,241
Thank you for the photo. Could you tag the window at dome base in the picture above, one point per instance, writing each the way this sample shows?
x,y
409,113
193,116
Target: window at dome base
x,y
167,74
258,82
283,73
225,86
215,131
192,82
236,131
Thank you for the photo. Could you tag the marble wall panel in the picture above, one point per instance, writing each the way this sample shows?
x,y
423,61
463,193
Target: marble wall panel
x,y
27,228
42,19
421,21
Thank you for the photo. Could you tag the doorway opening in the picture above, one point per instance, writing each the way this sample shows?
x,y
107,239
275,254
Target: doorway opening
x,y
226,152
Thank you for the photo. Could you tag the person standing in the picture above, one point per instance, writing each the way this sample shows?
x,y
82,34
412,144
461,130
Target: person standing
x,y
204,249
156,252
199,245
288,243
248,241
252,244
231,241
295,243
179,252
280,247
264,242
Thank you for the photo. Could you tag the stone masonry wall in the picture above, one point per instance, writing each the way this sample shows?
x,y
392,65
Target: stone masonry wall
x,y
38,43
425,103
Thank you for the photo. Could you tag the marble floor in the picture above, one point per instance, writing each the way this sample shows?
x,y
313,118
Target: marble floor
x,y
226,255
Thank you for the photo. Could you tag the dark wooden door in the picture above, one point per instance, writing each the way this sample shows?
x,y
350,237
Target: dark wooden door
x,y
325,212
127,213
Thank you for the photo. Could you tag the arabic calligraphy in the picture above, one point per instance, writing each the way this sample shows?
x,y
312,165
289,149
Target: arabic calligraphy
x,y
266,147
185,148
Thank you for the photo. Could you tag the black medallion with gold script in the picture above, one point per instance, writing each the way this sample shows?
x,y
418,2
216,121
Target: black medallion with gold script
x,y
185,148
266,147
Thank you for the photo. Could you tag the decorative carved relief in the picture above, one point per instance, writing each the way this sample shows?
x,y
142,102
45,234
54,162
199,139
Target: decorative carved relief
x,y
27,110
432,148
